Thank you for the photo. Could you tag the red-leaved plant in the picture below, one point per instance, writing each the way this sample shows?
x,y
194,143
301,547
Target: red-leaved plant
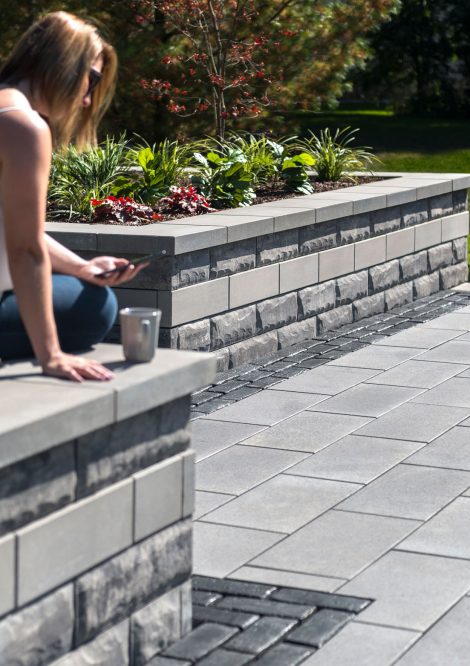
x,y
186,200
123,210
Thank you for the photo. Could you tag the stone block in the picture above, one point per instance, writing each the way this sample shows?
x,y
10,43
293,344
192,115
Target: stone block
x,y
354,228
297,332
370,252
336,262
129,297
317,237
453,275
413,266
121,586
316,299
167,338
439,257
233,258
298,273
63,545
115,452
441,205
366,307
36,486
233,326
280,246
460,249
400,243
384,276
252,286
192,268
158,497
428,234
111,648
40,633
222,357
202,640
399,295
415,212
328,321
351,287
250,350
385,220
7,574
195,336
276,312
155,627
195,302
454,226
161,274
460,201
426,285
189,483
186,607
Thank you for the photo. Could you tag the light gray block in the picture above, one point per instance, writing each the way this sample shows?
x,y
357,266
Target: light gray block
x,y
7,575
280,246
454,392
63,545
428,234
414,266
460,248
297,332
426,285
385,220
400,243
186,608
233,326
276,312
370,252
206,502
421,337
41,632
460,181
415,213
298,273
354,228
233,258
422,374
454,351
367,400
319,547
328,208
316,299
399,295
189,482
195,302
287,578
336,262
155,627
78,237
454,226
240,224
384,276
453,275
366,307
334,318
111,648
381,358
327,379
253,349
252,286
441,205
440,257
291,217
317,237
410,590
457,321
450,450
351,288
209,437
195,336
222,357
158,497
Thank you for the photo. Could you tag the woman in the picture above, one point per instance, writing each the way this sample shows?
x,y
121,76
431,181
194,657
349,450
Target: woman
x,y
54,88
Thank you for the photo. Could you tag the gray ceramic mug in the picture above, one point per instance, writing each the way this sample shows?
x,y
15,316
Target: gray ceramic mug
x,y
139,333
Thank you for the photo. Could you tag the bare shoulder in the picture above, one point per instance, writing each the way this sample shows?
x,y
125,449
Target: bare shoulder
x,y
21,126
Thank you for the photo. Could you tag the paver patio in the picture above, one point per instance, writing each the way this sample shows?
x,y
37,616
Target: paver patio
x,y
353,477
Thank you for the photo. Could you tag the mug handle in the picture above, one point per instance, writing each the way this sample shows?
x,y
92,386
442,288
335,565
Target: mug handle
x,y
146,329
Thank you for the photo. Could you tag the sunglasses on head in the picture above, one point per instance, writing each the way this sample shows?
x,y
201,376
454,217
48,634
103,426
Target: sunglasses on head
x,y
94,77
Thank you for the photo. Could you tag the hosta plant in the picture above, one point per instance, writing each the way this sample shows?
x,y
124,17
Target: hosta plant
x,y
225,180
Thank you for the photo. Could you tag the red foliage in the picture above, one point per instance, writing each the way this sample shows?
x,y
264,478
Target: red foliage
x,y
123,210
186,200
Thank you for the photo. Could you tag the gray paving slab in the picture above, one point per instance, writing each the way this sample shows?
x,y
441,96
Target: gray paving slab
x,y
465,337
337,544
220,549
379,358
451,450
445,534
411,590
209,437
360,644
239,468
419,337
356,459
454,392
447,642
415,422
307,431
422,374
367,400
409,491
454,351
282,504
267,407
327,379
457,321
205,502
288,578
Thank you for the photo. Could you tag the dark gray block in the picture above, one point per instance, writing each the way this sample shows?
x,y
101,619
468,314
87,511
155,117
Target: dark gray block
x,y
276,312
155,627
267,607
351,287
415,212
232,258
223,657
399,295
161,274
200,641
334,319
280,246
167,338
322,626
413,266
284,655
453,275
354,228
231,327
384,276
205,598
317,237
459,247
227,586
192,268
164,661
195,336
264,633
316,299
385,220
366,307
441,205
460,201
439,257
122,585
253,349
227,617
321,599
426,285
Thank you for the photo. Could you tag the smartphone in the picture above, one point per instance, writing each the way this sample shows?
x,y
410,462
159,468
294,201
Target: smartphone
x,y
135,262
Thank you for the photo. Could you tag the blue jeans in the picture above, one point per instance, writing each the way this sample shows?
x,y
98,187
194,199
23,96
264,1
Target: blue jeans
x,y
84,313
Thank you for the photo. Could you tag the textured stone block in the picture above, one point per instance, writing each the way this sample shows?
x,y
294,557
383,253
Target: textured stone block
x,y
231,327
233,258
366,307
399,295
320,627
317,237
222,357
460,201
188,483
155,627
161,274
115,452
414,266
276,312
385,220
40,633
384,276
252,286
192,268
298,273
316,299
334,318
415,212
400,243
261,635
354,228
351,287
439,257
201,641
454,226
426,285
7,574
428,234
36,486
454,275
276,247
195,336
250,350
58,548
297,332
194,302
267,607
441,205
186,607
370,252
110,649
460,249
116,589
336,262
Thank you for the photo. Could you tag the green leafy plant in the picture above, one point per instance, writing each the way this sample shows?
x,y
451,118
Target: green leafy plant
x,y
295,173
224,179
263,155
333,155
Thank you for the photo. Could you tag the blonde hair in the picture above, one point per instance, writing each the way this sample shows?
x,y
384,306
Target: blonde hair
x,y
55,55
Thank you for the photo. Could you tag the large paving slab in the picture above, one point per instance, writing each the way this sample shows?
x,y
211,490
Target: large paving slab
x,y
419,337
454,392
455,351
378,358
205,502
367,400
457,321
327,379
421,374
451,450
287,578
209,437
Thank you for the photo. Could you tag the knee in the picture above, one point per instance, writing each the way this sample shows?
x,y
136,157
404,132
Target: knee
x,y
104,310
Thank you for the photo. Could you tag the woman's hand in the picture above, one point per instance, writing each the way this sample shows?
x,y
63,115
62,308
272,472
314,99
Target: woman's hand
x,y
75,368
90,270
